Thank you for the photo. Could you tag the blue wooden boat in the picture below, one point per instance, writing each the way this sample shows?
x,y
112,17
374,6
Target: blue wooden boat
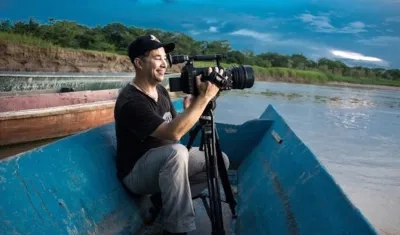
x,y
70,187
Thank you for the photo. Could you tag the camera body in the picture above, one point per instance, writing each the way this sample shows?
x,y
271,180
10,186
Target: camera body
x,y
239,77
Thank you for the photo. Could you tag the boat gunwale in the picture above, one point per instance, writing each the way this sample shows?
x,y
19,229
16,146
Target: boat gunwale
x,y
58,110
50,92
65,109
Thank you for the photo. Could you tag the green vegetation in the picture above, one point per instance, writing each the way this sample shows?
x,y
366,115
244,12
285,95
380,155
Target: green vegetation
x,y
115,37
24,39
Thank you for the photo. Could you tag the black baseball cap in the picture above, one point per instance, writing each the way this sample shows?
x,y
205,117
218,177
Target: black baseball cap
x,y
145,43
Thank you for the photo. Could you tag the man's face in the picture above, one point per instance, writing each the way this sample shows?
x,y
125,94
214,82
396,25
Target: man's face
x,y
155,65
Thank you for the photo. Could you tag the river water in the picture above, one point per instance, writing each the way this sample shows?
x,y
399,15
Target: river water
x,y
354,132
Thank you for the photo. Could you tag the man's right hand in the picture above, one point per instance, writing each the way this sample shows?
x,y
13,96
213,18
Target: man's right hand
x,y
207,89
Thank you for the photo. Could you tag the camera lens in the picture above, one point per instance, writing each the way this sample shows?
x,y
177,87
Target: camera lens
x,y
242,77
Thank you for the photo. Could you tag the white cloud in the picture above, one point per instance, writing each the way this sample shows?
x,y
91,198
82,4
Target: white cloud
x,y
214,26
273,41
381,41
265,37
393,19
213,29
322,23
313,50
194,32
211,21
355,25
354,56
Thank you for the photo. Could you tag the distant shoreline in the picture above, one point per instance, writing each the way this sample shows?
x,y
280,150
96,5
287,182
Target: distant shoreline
x,y
24,58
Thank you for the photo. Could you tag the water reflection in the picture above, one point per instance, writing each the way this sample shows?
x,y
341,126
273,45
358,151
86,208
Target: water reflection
x,y
348,120
350,103
349,98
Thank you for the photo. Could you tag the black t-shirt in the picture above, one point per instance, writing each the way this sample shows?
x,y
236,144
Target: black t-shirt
x,y
136,116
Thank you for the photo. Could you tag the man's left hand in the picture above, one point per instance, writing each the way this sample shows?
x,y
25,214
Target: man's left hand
x,y
187,101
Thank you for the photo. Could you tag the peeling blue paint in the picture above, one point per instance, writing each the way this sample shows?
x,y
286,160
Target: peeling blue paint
x,y
70,186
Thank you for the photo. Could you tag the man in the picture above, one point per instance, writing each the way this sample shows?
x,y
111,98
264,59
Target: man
x,y
150,159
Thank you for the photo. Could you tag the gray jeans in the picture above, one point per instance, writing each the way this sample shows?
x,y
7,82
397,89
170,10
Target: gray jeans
x,y
179,175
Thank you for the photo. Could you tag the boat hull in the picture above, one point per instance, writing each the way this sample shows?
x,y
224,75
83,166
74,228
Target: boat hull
x,y
35,117
27,126
70,186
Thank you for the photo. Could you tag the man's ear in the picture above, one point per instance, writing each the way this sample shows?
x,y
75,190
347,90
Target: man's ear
x,y
138,63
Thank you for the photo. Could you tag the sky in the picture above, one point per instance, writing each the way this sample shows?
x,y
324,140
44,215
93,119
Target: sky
x,y
358,32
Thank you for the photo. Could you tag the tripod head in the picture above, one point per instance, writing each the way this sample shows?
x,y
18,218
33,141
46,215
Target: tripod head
x,y
211,106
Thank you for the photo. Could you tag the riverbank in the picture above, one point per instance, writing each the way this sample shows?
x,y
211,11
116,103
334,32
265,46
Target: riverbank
x,y
21,57
25,55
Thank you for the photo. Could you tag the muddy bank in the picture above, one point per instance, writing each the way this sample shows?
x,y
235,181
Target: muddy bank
x,y
17,57
26,58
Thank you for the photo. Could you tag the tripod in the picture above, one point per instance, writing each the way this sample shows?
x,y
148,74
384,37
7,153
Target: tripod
x,y
214,161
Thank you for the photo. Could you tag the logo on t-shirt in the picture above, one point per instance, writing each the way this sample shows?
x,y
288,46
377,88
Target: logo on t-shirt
x,y
167,116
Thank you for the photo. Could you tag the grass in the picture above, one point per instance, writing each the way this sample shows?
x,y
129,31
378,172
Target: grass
x,y
24,39
261,73
38,42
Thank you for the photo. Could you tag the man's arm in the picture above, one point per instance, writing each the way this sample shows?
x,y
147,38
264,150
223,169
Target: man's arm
x,y
171,105
182,123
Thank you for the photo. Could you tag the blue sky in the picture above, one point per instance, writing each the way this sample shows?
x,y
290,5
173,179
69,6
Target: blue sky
x,y
359,32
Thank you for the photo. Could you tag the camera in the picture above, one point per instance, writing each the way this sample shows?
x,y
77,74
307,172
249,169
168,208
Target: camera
x,y
239,77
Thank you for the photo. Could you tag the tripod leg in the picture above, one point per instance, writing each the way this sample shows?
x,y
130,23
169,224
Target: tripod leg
x,y
193,134
212,156
203,198
224,177
213,186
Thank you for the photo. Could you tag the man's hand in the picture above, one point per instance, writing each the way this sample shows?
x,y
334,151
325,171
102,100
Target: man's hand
x,y
194,107
187,101
208,90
